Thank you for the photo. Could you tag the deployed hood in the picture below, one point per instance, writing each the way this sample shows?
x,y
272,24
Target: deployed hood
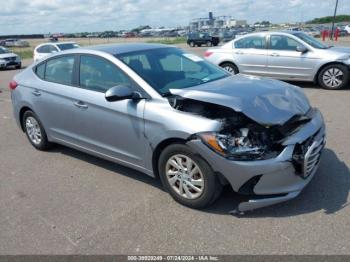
x,y
266,101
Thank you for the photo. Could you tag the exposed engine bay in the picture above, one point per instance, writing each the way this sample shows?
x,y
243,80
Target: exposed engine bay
x,y
240,138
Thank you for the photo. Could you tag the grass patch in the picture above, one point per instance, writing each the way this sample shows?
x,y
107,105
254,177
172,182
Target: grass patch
x,y
24,53
169,41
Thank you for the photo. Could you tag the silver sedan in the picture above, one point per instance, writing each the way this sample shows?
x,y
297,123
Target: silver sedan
x,y
173,115
291,56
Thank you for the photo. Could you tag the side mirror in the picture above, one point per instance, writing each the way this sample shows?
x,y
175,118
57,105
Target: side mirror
x,y
121,92
301,49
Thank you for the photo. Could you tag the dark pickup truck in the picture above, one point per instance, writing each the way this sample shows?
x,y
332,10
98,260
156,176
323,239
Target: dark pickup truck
x,y
199,39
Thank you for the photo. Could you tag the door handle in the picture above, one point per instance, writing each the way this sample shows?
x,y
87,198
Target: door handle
x,y
36,93
81,104
239,53
275,54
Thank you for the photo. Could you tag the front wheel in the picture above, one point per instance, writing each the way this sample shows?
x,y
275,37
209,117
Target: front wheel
x,y
187,177
334,77
229,67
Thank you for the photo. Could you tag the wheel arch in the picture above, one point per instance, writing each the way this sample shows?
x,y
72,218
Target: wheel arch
x,y
158,150
167,142
323,66
231,62
21,114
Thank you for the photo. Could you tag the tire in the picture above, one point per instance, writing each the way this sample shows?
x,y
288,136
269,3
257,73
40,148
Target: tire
x,y
191,44
35,131
333,77
231,68
209,43
19,66
204,180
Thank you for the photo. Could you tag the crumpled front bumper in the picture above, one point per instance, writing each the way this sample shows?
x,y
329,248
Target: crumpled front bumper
x,y
276,179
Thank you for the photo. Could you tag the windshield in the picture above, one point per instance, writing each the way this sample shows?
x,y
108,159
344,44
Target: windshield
x,y
4,50
171,68
63,47
311,41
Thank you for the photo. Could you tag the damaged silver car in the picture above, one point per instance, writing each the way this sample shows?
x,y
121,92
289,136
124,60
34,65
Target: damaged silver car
x,y
172,115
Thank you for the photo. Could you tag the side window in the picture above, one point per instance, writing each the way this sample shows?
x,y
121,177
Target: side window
x,y
52,49
99,75
281,42
60,70
257,42
40,70
43,49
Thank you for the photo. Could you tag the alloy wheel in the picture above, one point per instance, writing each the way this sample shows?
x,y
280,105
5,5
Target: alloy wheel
x,y
33,130
184,176
333,77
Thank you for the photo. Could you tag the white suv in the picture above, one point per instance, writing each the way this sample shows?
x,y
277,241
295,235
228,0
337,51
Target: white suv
x,y
46,49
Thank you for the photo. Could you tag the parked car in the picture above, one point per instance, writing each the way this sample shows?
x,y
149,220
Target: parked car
x,y
173,115
343,32
199,39
312,32
227,36
291,55
46,49
9,59
347,28
15,43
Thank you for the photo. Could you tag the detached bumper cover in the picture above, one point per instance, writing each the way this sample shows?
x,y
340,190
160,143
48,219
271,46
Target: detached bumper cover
x,y
278,179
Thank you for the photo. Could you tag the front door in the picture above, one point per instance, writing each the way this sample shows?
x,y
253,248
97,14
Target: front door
x,y
114,129
285,62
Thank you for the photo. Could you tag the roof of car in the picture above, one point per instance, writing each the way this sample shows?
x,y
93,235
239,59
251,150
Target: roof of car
x,y
115,49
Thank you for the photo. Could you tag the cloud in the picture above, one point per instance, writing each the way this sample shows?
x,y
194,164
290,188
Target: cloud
x,y
44,16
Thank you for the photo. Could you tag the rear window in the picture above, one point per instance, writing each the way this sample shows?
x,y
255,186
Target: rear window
x,y
63,47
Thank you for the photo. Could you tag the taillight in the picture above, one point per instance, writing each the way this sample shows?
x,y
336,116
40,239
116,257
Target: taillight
x,y
207,53
13,84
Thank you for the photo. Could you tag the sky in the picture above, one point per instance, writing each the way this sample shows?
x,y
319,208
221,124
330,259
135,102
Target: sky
x,y
70,16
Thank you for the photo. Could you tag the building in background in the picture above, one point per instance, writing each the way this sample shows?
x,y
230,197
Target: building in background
x,y
215,23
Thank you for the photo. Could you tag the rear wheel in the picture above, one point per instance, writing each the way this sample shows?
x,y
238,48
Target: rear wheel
x,y
229,67
187,177
192,44
35,131
333,77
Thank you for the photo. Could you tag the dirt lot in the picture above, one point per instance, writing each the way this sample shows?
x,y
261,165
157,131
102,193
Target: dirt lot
x,y
67,202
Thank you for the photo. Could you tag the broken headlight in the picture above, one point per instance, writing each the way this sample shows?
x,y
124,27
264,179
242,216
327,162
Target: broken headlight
x,y
241,145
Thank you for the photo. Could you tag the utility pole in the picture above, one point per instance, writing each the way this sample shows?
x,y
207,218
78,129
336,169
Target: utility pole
x,y
335,14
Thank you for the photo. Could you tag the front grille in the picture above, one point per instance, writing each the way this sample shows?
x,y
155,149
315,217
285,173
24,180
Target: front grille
x,y
307,155
312,157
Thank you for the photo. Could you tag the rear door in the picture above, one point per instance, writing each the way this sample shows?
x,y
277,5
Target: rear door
x,y
285,62
250,54
52,96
